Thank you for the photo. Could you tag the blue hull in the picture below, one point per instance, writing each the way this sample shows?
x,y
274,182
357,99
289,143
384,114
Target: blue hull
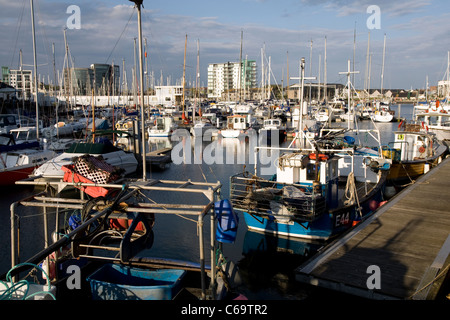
x,y
115,282
328,225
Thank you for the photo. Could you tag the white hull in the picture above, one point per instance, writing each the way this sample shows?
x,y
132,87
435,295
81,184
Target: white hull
x,y
382,117
230,133
53,169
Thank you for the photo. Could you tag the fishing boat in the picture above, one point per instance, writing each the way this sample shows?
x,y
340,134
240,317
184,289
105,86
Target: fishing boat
x,y
162,127
309,196
413,152
437,121
237,125
273,131
17,161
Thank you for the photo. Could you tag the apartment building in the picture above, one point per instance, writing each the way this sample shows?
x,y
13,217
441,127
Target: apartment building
x,y
230,76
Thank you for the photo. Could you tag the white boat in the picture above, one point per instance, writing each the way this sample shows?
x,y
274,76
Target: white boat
x,y
237,125
347,116
63,129
322,114
437,122
8,122
382,113
272,129
52,169
382,116
203,128
17,161
162,127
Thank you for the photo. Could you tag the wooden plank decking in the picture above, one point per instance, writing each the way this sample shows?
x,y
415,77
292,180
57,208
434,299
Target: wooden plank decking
x,y
407,238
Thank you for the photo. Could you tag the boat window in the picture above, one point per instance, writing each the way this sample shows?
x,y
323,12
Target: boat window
x,y
433,120
310,171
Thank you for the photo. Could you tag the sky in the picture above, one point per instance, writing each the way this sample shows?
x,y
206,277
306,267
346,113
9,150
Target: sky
x,y
417,36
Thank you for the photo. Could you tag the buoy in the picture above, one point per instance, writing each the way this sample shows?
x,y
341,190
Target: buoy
x,y
322,157
373,205
382,203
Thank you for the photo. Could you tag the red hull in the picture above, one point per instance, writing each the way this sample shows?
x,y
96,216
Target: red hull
x,y
10,176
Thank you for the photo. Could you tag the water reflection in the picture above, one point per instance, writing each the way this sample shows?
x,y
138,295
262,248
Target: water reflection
x,y
268,264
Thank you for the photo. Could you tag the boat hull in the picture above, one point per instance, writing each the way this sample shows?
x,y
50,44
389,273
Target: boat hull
x,y
330,224
9,176
230,133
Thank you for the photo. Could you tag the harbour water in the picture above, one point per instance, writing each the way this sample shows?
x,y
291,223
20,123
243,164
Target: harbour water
x,y
266,263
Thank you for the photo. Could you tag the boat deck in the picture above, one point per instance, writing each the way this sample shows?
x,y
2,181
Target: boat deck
x,y
407,239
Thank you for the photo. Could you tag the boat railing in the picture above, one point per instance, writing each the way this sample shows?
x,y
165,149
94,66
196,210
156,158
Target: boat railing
x,y
132,240
258,196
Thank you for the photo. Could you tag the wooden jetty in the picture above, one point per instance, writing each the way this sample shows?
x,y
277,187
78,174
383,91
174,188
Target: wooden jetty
x,y
159,158
405,243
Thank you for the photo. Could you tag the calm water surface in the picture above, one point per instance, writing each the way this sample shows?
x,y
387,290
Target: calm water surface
x,y
266,263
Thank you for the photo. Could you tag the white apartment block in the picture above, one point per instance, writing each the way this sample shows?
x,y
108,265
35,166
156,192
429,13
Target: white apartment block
x,y
21,80
223,77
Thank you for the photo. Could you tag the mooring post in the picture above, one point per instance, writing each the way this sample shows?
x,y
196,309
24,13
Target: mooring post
x,y
13,237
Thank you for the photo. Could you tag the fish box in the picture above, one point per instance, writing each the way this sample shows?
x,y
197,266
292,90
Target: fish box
x,y
71,176
116,282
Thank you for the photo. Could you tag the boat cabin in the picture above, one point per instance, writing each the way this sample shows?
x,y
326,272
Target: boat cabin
x,y
237,122
272,123
409,146
311,174
8,122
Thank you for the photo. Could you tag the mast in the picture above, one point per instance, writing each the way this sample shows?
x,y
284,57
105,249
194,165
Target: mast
x,y
448,75
366,86
240,68
354,51
287,82
382,67
310,70
35,69
318,89
325,94
350,109
184,72
141,76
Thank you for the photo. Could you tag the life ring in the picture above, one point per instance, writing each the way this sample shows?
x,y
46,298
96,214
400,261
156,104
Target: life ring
x,y
322,157
422,149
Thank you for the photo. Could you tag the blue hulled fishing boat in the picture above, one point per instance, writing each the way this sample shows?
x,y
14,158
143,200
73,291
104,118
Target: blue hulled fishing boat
x,y
312,195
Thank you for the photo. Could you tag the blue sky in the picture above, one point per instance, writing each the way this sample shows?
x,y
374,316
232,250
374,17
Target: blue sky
x,y
417,36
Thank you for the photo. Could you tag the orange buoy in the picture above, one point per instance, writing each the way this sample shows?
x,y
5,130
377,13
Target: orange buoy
x,y
322,157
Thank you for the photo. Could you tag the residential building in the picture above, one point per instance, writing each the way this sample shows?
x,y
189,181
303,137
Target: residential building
x,y
21,80
228,76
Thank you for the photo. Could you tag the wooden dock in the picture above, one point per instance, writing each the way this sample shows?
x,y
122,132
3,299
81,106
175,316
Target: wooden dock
x,y
159,158
399,252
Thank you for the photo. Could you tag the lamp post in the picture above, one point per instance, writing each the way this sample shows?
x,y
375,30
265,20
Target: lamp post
x,y
138,4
